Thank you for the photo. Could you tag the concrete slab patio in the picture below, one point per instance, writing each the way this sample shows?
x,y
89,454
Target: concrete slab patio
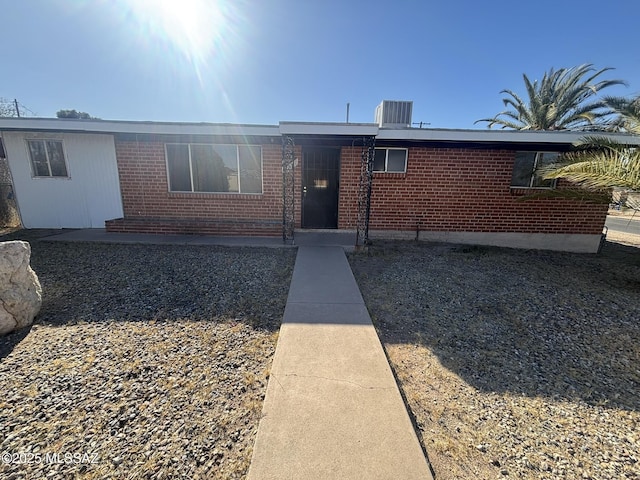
x,y
100,235
332,408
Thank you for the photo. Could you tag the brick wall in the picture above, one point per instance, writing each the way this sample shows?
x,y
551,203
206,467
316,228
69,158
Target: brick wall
x,y
459,190
444,189
149,206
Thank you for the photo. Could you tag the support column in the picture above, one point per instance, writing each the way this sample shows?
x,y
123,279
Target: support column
x,y
288,189
364,191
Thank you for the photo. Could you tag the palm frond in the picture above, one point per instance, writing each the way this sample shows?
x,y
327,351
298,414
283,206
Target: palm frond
x,y
605,165
502,122
559,101
628,110
591,143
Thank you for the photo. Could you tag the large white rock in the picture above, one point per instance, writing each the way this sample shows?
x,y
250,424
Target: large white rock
x,y
20,291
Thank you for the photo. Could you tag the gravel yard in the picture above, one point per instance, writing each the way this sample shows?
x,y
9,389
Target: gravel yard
x,y
151,362
146,362
515,364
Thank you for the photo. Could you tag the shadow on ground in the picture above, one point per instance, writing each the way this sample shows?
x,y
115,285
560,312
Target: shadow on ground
x,y
559,325
92,282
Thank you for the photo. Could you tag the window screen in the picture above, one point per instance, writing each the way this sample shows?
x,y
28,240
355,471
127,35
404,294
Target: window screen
x,y
523,169
47,158
526,169
179,171
214,168
396,160
390,160
250,169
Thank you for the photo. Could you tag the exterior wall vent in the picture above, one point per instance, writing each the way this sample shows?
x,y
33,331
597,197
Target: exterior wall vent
x,y
393,113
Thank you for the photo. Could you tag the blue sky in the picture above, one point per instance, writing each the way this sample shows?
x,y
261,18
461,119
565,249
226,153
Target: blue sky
x,y
262,61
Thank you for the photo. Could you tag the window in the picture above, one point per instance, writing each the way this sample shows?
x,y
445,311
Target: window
x,y
47,158
214,168
390,160
525,170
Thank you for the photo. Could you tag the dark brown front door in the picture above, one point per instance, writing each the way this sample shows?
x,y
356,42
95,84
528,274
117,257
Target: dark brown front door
x,y
320,182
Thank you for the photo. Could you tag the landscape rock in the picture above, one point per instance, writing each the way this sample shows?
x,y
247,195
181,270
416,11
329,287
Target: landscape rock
x,y
20,291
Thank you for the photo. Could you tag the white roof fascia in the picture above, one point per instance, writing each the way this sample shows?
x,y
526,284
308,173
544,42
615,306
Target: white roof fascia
x,y
311,128
157,128
499,136
307,128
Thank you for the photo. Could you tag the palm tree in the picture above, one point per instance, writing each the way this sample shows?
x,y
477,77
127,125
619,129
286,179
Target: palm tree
x,y
600,164
628,110
563,100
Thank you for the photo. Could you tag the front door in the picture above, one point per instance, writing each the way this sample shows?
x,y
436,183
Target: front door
x,y
320,179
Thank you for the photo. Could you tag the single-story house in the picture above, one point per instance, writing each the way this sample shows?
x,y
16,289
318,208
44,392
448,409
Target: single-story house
x,y
382,179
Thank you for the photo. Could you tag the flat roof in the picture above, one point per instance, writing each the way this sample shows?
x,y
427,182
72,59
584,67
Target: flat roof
x,y
308,129
318,128
498,136
133,127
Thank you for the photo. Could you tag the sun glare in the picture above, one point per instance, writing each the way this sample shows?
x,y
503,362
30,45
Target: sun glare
x,y
194,28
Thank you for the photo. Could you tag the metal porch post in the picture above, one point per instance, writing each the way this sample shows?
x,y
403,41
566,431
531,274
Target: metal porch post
x,y
364,191
288,189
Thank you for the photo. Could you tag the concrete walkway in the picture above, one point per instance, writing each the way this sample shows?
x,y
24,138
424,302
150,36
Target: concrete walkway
x,y
332,408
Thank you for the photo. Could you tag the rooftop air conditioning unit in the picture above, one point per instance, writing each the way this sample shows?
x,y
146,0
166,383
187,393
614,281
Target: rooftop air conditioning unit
x,y
393,113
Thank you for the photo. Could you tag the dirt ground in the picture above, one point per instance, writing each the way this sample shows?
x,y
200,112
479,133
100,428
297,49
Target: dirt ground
x,y
514,364
145,361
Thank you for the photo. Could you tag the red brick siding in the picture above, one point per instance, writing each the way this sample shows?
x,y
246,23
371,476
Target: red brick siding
x,y
459,190
149,206
191,226
444,189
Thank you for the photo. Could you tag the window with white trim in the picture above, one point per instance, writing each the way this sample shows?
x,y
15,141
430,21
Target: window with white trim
x,y
392,160
213,168
526,169
47,158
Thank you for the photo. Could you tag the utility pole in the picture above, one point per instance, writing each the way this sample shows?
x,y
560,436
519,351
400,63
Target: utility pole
x,y
15,102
